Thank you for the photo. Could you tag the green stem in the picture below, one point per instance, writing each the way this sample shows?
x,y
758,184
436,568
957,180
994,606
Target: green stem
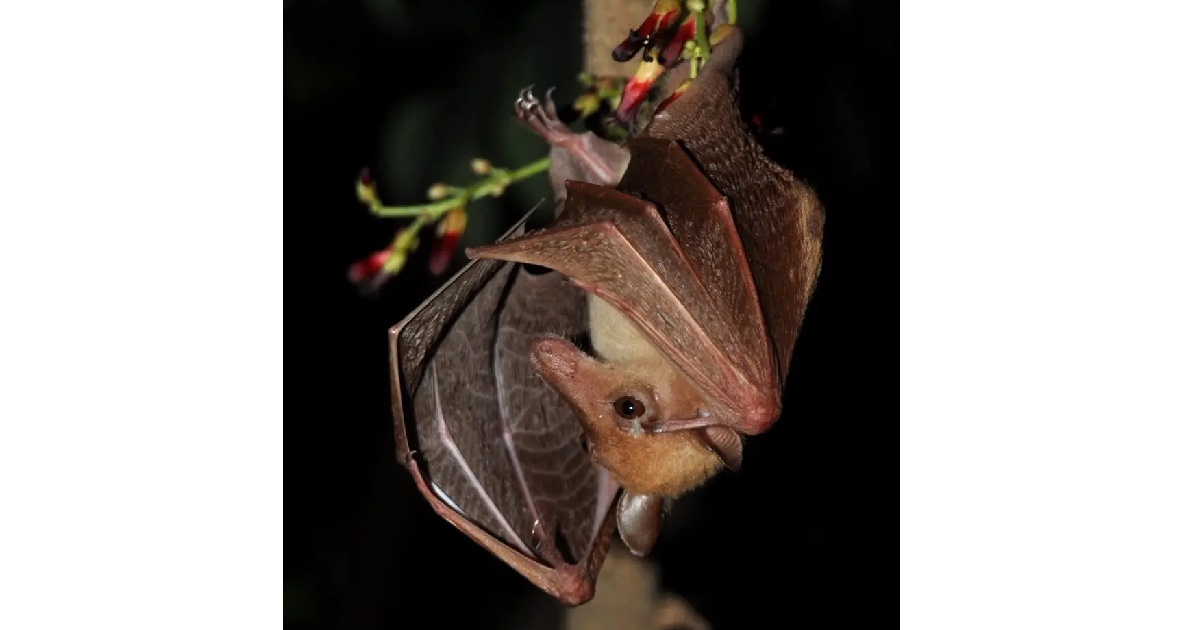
x,y
529,170
701,36
412,229
493,184
436,208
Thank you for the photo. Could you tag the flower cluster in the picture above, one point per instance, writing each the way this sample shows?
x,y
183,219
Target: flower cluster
x,y
372,272
674,30
446,211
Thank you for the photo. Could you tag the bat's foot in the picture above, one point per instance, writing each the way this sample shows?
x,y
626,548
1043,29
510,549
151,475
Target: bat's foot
x,y
541,116
581,156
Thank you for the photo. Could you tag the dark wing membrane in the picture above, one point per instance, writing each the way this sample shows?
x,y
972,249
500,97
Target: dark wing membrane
x,y
779,218
494,449
699,218
587,158
617,247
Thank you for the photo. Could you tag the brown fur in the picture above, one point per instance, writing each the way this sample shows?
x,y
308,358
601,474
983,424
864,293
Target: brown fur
x,y
663,464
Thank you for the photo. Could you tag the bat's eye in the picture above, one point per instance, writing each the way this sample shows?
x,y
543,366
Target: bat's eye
x,y
629,407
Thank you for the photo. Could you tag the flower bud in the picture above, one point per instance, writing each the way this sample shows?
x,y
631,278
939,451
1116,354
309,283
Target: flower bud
x,y
437,191
395,262
365,189
481,166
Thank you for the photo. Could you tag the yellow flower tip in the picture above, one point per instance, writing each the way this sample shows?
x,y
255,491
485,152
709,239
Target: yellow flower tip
x,y
663,7
453,223
648,71
696,6
365,189
437,191
406,239
395,262
481,166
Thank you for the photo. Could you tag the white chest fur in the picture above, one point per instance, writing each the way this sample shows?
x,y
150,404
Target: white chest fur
x,y
614,337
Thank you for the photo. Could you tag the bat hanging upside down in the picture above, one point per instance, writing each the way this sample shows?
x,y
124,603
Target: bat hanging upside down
x,y
680,266
635,407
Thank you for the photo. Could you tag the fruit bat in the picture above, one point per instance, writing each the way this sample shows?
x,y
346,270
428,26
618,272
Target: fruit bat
x,y
570,380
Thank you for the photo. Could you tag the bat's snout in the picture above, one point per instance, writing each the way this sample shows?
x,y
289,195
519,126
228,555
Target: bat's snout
x,y
556,360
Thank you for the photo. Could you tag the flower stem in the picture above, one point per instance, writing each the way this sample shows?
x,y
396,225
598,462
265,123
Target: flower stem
x,y
697,9
530,170
494,183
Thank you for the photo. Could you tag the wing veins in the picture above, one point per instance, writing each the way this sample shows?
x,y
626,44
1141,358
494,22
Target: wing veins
x,y
502,393
448,440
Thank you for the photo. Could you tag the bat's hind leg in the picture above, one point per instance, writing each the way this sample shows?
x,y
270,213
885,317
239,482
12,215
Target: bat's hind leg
x,y
579,156
541,116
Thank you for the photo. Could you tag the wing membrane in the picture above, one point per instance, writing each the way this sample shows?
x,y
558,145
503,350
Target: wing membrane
x,y
494,449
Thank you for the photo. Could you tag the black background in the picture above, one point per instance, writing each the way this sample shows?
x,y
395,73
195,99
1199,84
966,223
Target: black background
x,y
804,535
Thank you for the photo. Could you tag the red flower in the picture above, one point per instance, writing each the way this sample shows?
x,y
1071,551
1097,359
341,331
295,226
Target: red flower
x,y
369,274
449,232
637,89
669,51
663,15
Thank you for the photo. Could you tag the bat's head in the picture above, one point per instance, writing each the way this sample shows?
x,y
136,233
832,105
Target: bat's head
x,y
620,404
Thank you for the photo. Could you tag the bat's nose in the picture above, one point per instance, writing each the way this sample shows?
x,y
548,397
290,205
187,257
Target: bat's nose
x,y
556,360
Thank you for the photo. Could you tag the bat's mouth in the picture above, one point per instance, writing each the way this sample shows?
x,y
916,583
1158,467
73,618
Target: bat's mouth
x,y
722,440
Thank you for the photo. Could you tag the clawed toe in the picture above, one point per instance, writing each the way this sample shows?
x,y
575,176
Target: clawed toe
x,y
541,116
525,102
539,112
548,104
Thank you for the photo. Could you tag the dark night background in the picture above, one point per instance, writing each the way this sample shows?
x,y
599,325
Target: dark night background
x,y
804,535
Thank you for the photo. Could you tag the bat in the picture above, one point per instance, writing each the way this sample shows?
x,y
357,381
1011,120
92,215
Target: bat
x,y
498,452
572,380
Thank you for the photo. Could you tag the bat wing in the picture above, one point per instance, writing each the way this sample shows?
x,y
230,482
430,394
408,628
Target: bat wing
x,y
780,219
495,450
663,249
706,245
